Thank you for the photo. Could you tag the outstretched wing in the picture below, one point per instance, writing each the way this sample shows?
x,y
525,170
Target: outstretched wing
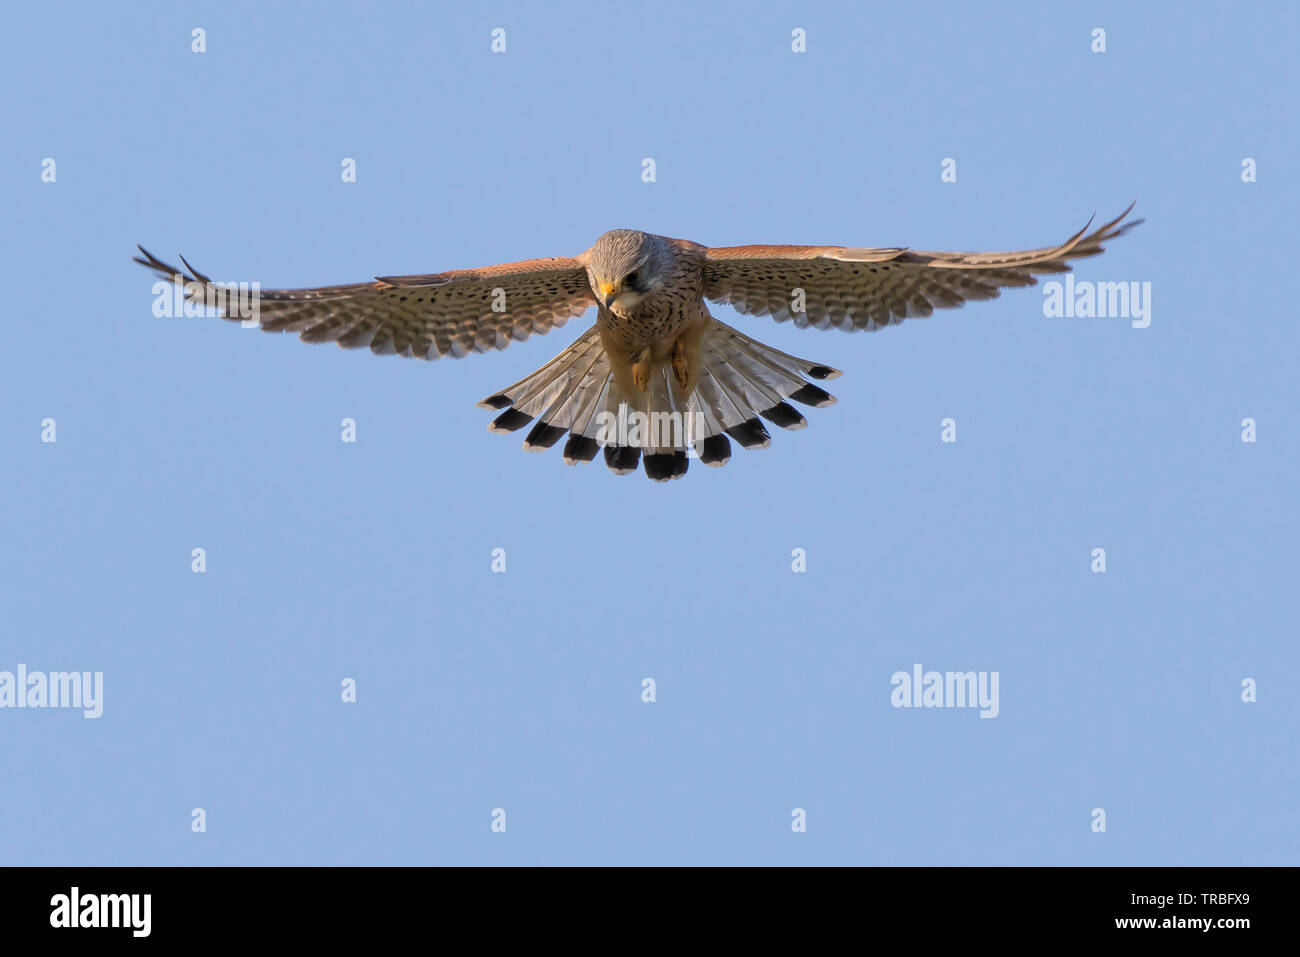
x,y
451,313
869,288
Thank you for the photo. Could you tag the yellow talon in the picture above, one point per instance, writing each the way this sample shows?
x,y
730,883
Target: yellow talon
x,y
681,368
641,375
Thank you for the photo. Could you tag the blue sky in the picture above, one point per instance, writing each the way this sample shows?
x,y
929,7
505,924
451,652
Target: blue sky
x,y
522,691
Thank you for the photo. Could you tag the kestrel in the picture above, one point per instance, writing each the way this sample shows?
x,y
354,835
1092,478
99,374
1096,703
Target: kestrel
x,y
656,374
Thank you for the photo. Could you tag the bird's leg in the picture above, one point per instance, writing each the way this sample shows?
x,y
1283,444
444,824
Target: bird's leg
x,y
641,370
681,365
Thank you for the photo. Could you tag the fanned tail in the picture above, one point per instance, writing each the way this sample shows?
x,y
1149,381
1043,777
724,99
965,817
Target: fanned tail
x,y
741,383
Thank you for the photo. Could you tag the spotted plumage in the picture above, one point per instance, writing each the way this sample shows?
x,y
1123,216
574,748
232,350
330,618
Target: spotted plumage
x,y
655,354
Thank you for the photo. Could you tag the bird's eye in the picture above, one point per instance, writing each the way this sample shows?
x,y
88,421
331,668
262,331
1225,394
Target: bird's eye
x,y
631,278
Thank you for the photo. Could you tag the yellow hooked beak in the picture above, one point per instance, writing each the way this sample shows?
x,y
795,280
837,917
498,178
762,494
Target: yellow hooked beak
x,y
609,291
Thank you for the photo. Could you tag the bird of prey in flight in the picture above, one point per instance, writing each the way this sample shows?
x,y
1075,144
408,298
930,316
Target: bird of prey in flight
x,y
657,379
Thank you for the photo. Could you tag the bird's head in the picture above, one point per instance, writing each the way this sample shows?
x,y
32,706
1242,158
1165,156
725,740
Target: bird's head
x,y
626,266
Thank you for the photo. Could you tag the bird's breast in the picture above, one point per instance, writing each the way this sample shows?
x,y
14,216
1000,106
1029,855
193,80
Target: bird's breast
x,y
657,318
644,325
